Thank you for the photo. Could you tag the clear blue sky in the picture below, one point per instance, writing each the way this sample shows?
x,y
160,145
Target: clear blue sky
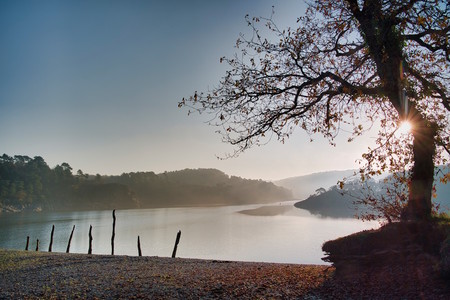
x,y
96,84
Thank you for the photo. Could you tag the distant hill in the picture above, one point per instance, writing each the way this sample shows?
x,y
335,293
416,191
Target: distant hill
x,y
304,186
30,184
330,202
198,187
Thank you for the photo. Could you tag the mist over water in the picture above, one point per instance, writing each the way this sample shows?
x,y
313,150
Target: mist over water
x,y
290,235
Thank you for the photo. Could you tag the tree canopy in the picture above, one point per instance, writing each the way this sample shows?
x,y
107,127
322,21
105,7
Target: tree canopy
x,y
348,65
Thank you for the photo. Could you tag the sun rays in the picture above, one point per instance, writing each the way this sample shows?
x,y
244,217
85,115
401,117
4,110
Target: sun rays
x,y
404,127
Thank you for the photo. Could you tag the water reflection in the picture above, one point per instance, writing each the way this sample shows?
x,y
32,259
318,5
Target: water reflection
x,y
291,235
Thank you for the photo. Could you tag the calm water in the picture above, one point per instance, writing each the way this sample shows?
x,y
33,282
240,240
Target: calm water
x,y
222,233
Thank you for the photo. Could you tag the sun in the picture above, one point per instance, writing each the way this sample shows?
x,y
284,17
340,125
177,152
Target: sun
x,y
404,127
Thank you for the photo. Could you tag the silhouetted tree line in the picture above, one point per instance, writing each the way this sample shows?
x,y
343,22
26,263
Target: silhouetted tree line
x,y
197,187
329,203
30,184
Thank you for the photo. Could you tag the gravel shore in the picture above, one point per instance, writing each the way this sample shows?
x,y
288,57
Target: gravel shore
x,y
42,275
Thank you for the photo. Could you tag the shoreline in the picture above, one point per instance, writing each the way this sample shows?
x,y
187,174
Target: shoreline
x,y
37,275
61,275
10,209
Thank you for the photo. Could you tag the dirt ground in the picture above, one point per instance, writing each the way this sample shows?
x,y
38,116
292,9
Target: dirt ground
x,y
42,275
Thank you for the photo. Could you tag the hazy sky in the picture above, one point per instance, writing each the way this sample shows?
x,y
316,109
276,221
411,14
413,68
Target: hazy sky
x,y
96,84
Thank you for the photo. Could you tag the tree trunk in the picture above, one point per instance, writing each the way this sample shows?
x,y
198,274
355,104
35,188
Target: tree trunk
x,y
386,46
420,190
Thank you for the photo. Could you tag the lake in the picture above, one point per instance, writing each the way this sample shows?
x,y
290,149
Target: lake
x,y
287,235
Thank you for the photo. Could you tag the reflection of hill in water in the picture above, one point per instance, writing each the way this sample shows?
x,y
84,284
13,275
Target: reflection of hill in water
x,y
272,210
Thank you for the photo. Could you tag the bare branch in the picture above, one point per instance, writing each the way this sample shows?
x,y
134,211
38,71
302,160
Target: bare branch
x,y
418,38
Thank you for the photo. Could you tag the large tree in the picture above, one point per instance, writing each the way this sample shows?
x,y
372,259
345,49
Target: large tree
x,y
348,64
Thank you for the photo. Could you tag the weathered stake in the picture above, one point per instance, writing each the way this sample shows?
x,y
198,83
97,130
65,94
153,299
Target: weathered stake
x,y
28,242
113,231
37,245
51,239
139,247
90,240
176,244
70,240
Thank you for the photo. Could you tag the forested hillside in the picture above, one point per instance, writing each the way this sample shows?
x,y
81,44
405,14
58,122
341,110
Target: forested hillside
x,y
330,203
30,184
337,203
198,187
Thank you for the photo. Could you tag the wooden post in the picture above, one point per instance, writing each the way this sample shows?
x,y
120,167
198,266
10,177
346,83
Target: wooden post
x,y
37,245
113,231
70,240
28,242
51,239
176,244
90,240
139,247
